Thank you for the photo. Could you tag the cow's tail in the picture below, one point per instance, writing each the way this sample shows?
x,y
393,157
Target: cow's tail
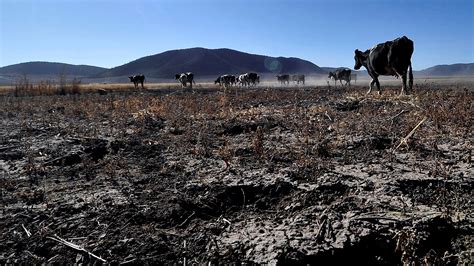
x,y
410,77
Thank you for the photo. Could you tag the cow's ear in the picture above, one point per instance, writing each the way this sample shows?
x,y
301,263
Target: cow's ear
x,y
357,51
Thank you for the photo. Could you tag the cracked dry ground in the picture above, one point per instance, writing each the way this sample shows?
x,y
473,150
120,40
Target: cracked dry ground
x,y
265,175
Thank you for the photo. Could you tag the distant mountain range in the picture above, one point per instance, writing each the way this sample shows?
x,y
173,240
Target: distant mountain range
x,y
203,62
210,62
48,68
448,70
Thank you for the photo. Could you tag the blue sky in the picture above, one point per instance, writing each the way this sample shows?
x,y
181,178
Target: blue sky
x,y
109,33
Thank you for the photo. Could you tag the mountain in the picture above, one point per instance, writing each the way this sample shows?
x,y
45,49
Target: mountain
x,y
448,70
210,62
50,69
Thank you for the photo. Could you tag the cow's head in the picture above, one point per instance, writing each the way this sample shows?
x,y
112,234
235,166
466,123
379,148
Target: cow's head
x,y
217,81
330,75
177,76
131,78
359,58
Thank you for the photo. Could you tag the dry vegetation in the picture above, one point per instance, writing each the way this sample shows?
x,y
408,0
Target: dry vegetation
x,y
259,175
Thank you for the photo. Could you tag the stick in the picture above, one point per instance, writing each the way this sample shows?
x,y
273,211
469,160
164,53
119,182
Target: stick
x,y
371,218
243,194
74,246
327,115
26,230
52,258
397,115
185,221
405,139
320,230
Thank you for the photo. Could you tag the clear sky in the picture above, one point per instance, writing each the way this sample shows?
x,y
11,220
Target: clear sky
x,y
109,33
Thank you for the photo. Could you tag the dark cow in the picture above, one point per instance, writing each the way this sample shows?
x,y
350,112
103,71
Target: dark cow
x,y
298,79
253,78
283,79
341,74
184,78
225,80
392,58
137,79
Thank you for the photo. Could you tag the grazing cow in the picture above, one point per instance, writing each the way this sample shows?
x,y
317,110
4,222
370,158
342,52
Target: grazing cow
x,y
283,79
341,74
298,79
137,79
391,58
184,78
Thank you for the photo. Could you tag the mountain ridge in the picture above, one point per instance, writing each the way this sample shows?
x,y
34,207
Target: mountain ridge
x,y
202,61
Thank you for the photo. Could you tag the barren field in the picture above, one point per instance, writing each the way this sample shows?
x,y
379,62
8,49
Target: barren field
x,y
263,175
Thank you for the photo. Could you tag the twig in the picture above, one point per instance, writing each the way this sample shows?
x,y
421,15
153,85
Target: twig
x,y
26,230
327,115
243,193
33,255
397,115
128,261
320,230
405,139
372,218
74,246
221,218
185,221
52,258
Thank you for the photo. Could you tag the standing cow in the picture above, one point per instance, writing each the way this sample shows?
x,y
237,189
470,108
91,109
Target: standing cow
x,y
137,79
249,79
225,80
341,74
184,78
298,79
392,58
283,79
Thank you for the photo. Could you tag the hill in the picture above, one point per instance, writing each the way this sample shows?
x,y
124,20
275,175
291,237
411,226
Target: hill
x,y
48,68
448,70
210,62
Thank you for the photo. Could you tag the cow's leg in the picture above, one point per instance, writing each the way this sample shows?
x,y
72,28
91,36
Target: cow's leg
x,y
370,85
378,86
404,83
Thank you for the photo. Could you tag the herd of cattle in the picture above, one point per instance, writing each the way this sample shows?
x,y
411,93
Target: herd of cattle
x,y
391,58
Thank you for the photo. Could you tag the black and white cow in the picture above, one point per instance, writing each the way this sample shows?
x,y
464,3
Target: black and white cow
x,y
283,79
184,78
341,74
392,58
298,79
243,80
225,80
137,79
248,79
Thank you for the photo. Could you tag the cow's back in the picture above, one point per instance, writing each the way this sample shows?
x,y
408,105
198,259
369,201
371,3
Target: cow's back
x,y
400,52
